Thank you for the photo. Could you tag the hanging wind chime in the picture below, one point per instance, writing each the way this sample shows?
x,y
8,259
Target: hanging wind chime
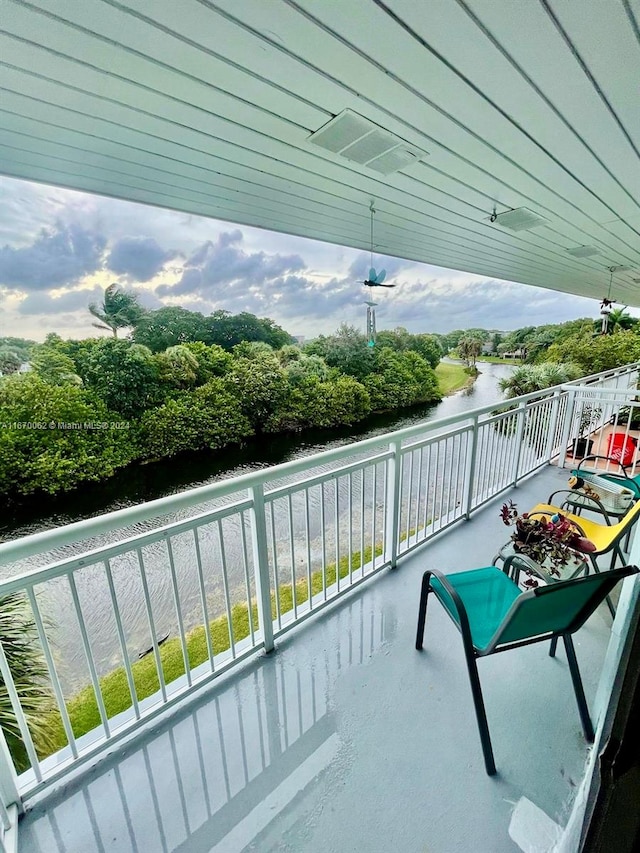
x,y
605,305
375,279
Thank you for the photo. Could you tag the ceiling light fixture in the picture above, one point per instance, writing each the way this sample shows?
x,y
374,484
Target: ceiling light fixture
x,y
361,141
583,251
518,219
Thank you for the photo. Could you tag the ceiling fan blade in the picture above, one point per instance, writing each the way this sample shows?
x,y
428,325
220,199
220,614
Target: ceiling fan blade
x,y
381,276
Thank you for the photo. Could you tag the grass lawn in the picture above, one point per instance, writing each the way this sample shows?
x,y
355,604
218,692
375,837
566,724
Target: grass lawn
x,y
452,377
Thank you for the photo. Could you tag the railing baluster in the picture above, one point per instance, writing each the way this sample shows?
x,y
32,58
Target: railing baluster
x,y
294,594
568,422
336,521
9,794
409,496
439,482
152,625
225,587
247,582
521,422
274,552
307,536
392,532
362,484
418,494
450,503
86,645
427,487
261,564
374,506
176,600
122,638
323,537
203,595
53,674
350,527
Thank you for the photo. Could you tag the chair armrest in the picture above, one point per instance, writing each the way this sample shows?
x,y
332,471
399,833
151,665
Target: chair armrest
x,y
580,499
463,619
606,459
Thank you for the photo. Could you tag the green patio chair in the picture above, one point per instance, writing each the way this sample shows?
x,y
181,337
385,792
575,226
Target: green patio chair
x,y
494,615
619,476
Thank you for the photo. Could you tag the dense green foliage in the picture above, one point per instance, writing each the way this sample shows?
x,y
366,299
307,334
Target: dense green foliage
x,y
167,327
528,378
86,408
13,353
600,352
53,437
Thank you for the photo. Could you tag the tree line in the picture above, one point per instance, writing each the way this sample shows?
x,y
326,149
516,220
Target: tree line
x,y
184,382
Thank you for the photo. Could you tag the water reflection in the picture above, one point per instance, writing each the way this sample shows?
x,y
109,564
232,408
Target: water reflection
x,y
218,775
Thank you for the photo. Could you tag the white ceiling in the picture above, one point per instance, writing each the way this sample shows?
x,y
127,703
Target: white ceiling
x,y
206,106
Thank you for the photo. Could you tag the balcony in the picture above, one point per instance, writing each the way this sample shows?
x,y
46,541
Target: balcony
x,y
345,738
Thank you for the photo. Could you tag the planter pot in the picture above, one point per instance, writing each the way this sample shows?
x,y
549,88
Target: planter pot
x,y
581,447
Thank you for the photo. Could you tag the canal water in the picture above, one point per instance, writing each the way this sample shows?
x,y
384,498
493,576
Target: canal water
x,y
143,483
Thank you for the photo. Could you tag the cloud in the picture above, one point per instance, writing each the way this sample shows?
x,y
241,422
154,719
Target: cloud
x,y
62,255
224,263
138,258
74,300
440,305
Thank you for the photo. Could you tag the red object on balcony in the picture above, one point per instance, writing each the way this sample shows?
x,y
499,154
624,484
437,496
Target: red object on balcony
x,y
622,447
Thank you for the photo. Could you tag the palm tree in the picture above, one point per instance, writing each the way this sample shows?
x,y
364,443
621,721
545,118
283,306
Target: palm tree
x,y
619,319
18,637
118,310
469,348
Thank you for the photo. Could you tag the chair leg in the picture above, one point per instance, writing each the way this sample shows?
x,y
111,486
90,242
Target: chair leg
x,y
587,725
553,647
612,609
422,609
481,714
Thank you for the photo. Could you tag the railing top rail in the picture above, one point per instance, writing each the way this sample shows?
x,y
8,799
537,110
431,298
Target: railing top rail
x,y
590,389
27,546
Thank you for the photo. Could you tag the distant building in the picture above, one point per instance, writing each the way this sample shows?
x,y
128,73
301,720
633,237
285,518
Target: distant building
x,y
299,339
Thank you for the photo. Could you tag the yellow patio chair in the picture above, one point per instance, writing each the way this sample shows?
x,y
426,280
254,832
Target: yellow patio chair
x,y
606,537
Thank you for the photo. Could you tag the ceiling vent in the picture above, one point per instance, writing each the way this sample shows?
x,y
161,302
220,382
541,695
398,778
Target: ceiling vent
x,y
520,219
583,251
359,140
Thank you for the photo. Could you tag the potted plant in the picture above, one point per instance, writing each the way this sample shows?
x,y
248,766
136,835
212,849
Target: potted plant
x,y
582,445
550,541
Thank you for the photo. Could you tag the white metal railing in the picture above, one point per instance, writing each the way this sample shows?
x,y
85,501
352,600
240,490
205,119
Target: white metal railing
x,y
226,568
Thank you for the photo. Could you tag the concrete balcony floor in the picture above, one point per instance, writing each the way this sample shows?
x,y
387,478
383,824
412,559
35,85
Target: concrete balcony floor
x,y
346,738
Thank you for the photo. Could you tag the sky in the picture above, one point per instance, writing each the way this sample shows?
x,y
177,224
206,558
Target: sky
x,y
59,249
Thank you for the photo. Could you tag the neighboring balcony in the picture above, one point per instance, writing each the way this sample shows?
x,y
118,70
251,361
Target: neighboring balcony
x,y
346,738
